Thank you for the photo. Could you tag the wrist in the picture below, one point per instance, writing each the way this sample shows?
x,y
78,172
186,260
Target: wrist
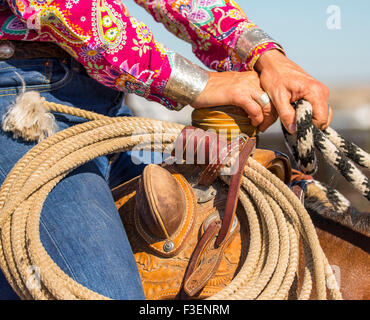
x,y
268,59
252,44
212,85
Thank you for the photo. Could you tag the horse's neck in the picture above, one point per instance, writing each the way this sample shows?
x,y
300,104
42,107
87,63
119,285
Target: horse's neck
x,y
348,253
332,231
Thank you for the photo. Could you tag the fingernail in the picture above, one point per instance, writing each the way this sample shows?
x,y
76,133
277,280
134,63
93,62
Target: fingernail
x,y
292,128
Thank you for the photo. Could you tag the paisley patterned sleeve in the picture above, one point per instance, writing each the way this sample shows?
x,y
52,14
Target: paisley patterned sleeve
x,y
214,28
116,49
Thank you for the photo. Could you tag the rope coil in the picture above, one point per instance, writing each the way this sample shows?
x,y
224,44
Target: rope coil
x,y
276,217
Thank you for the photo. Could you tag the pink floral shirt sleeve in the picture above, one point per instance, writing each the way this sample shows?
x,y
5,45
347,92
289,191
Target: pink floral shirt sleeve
x,y
212,27
118,50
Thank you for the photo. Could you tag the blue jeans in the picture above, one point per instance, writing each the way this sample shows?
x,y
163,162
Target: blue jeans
x,y
79,227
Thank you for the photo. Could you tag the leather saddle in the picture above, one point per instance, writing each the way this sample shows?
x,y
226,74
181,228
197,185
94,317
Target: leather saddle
x,y
184,223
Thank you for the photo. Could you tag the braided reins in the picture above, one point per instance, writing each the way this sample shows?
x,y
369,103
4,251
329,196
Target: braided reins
x,y
276,217
339,153
343,156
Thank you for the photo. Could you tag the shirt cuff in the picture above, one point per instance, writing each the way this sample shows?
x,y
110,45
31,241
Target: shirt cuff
x,y
186,82
252,43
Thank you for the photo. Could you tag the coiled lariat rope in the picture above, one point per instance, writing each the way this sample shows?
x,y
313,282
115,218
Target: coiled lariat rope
x,y
276,217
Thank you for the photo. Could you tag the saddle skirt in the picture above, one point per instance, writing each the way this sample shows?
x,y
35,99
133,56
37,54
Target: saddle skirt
x,y
172,222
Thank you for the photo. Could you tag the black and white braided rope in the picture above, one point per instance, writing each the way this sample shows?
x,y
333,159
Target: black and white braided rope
x,y
339,153
352,151
331,204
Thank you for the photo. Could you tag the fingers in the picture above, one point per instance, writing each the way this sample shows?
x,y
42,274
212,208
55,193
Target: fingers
x,y
286,82
270,116
233,88
254,110
330,118
268,111
251,107
318,96
320,114
281,101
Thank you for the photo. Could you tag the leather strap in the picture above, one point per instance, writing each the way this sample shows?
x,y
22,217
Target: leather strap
x,y
206,257
295,184
195,281
217,161
234,189
197,146
298,175
299,192
205,261
32,50
216,151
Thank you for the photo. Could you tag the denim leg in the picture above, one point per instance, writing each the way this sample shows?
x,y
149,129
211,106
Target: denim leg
x,y
82,231
123,169
6,291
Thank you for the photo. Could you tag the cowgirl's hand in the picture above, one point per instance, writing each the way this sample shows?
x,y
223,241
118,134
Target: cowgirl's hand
x,y
286,82
241,89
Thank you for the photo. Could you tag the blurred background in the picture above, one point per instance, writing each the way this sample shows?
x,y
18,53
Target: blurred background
x,y
336,52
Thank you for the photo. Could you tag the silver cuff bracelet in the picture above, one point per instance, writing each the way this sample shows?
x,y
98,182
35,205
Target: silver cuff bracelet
x,y
250,39
186,82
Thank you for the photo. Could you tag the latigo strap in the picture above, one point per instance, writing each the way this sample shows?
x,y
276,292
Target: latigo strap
x,y
205,259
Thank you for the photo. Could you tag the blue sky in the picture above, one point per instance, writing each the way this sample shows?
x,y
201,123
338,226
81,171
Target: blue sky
x,y
336,57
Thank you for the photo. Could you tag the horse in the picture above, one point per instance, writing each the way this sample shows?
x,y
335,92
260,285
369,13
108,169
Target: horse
x,y
347,250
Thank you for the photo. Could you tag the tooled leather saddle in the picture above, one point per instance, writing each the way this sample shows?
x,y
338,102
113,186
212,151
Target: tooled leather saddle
x,y
184,224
